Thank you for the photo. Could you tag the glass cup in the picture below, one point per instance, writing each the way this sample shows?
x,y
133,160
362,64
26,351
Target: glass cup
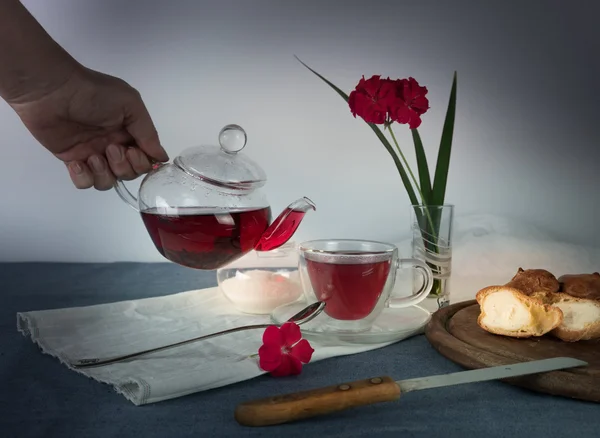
x,y
356,279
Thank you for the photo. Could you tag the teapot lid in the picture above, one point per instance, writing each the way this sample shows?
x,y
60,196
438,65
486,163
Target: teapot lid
x,y
223,165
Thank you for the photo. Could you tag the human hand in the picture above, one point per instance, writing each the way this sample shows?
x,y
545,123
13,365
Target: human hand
x,y
97,124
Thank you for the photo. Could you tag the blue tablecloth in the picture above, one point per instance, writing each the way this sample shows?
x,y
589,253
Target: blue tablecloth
x,y
42,398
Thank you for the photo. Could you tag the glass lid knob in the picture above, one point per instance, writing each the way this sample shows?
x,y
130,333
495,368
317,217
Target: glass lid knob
x,y
232,139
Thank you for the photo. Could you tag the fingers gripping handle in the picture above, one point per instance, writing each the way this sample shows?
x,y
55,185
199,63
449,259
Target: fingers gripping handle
x,y
425,288
297,406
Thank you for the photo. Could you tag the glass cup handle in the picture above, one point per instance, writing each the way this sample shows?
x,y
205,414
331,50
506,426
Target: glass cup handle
x,y
427,275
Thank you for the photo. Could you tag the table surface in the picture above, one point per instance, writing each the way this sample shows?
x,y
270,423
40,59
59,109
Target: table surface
x,y
42,398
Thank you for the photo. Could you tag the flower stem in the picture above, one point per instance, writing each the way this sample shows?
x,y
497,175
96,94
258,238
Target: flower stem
x,y
412,175
436,289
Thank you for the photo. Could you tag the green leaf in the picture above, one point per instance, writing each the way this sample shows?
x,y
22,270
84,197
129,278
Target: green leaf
x,y
424,178
340,92
382,138
438,192
403,174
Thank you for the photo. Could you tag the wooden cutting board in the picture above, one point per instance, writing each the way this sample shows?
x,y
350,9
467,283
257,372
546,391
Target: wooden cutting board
x,y
453,332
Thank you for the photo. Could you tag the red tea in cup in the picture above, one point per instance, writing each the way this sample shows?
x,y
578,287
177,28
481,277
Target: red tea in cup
x,y
351,290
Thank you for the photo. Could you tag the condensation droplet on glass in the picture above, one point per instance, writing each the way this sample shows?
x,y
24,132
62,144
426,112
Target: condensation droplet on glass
x,y
232,138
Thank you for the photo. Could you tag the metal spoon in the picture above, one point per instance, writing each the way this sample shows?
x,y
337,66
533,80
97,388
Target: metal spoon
x,y
307,314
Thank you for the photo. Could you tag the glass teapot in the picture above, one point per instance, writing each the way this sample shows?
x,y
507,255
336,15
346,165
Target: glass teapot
x,y
206,209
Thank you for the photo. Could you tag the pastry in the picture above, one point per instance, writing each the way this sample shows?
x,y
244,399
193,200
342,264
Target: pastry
x,y
507,311
581,316
529,281
581,285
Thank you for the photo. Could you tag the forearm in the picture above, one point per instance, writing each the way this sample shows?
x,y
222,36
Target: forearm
x,y
32,64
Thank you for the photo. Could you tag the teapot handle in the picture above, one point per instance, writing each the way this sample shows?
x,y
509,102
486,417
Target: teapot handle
x,y
126,195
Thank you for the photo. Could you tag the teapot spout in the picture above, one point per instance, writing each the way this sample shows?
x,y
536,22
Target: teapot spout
x,y
285,225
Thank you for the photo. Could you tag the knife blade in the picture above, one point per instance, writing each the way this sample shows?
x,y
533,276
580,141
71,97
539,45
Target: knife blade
x,y
315,402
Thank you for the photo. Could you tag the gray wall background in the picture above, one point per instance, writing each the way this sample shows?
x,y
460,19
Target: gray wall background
x,y
526,143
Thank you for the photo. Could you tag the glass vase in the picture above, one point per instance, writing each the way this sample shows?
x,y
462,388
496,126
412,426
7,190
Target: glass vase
x,y
431,227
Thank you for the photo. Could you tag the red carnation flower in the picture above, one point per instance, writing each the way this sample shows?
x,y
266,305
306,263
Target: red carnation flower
x,y
284,351
370,99
409,102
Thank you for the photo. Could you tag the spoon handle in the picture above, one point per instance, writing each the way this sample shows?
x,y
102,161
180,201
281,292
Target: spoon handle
x,y
96,362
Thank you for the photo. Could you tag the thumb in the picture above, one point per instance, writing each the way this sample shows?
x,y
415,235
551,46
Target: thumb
x,y
139,124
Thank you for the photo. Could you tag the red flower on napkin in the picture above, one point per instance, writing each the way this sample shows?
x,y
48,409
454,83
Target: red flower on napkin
x,y
284,351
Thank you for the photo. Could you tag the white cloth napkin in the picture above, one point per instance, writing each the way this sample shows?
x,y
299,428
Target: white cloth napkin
x,y
107,330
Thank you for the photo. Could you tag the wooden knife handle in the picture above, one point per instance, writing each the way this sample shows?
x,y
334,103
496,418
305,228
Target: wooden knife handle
x,y
296,406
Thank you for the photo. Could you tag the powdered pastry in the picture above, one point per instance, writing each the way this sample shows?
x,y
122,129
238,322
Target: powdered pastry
x,y
507,311
535,302
581,285
534,280
581,316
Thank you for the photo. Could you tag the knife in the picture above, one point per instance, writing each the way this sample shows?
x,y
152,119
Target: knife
x,y
315,402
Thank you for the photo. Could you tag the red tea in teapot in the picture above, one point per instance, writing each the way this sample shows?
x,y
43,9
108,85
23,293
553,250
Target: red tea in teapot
x,y
205,238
